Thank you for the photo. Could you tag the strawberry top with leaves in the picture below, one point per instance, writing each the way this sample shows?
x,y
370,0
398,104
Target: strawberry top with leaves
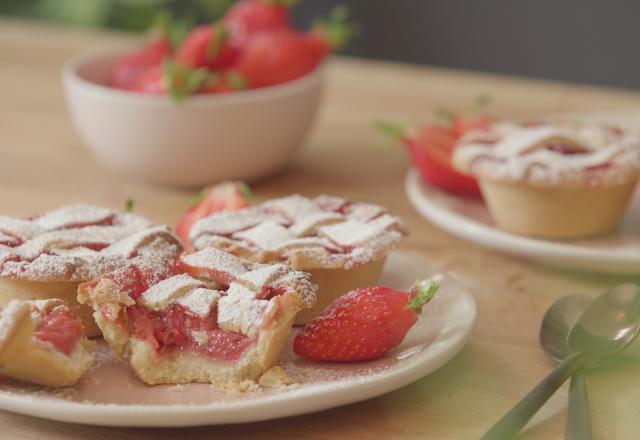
x,y
226,196
247,18
207,46
363,324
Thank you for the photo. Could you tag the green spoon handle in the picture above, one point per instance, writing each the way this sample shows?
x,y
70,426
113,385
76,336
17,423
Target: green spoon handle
x,y
516,419
578,418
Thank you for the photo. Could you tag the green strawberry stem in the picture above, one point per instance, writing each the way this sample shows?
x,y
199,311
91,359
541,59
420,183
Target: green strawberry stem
x,y
129,205
447,115
392,132
245,190
336,28
164,25
182,81
237,81
283,3
422,293
220,35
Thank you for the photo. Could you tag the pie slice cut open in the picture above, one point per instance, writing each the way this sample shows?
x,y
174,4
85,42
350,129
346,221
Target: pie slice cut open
x,y
43,342
205,317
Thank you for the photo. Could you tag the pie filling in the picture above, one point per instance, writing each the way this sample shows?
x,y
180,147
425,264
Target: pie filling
x,y
176,328
60,328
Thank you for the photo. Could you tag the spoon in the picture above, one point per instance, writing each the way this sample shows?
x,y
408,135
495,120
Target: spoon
x,y
608,325
555,328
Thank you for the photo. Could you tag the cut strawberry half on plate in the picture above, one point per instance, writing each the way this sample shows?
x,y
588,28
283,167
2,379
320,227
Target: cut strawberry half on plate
x,y
226,196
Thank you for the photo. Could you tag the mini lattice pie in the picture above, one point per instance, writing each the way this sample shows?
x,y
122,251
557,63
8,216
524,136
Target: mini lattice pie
x,y
43,342
206,317
48,255
553,179
343,245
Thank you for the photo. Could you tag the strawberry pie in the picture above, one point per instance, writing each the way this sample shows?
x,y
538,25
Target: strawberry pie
x,y
342,245
205,317
553,179
43,342
47,255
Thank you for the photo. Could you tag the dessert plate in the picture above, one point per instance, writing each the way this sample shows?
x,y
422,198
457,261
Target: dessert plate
x,y
469,219
110,395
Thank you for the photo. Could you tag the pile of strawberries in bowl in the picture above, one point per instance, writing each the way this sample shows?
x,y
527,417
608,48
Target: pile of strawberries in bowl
x,y
233,99
252,46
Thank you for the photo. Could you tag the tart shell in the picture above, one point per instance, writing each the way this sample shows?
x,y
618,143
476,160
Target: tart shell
x,y
21,357
556,211
333,283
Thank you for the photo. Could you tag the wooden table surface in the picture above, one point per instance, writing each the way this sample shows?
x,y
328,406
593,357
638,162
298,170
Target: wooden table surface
x,y
43,165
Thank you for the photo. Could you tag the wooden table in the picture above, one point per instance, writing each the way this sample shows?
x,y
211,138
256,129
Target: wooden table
x,y
43,165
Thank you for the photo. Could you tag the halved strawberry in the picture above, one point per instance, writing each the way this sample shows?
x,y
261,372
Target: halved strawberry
x,y
226,196
432,147
363,324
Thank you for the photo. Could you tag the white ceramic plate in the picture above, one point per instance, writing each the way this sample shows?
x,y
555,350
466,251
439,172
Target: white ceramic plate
x,y
469,219
110,395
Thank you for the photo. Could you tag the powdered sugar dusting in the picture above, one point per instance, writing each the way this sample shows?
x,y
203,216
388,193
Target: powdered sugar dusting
x,y
322,232
79,242
529,152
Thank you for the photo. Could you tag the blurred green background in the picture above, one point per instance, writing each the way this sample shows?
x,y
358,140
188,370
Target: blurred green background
x,y
134,15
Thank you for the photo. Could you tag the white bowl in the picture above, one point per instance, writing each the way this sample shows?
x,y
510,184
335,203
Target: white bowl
x,y
207,138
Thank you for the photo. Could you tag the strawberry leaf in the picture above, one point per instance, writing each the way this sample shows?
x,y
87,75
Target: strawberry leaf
x,y
129,205
202,194
336,28
245,190
182,81
237,81
283,3
422,292
220,35
392,133
480,102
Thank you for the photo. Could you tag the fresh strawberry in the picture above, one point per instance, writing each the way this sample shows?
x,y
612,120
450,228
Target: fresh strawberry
x,y
247,18
363,324
276,56
171,79
432,146
207,46
131,67
226,196
281,54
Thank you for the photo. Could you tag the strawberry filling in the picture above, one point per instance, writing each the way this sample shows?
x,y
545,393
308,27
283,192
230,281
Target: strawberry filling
x,y
565,148
174,329
60,328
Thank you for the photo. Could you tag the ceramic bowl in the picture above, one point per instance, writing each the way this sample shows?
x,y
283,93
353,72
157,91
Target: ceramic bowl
x,y
244,135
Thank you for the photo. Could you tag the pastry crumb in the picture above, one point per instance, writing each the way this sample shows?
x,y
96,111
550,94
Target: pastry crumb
x,y
275,377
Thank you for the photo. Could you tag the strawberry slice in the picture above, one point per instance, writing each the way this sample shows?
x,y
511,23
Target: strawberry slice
x,y
226,196
363,324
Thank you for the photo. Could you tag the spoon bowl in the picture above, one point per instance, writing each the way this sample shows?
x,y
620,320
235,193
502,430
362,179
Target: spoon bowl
x,y
557,323
610,323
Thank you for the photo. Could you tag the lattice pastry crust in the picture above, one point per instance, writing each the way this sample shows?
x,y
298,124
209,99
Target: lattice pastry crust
x,y
78,243
320,233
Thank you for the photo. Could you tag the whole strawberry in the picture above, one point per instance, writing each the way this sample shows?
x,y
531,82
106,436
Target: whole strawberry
x,y
363,324
207,46
246,18
129,68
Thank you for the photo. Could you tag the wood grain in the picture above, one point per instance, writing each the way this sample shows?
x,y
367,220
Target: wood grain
x,y
43,164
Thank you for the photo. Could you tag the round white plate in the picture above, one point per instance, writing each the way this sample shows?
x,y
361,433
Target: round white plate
x,y
469,219
110,395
